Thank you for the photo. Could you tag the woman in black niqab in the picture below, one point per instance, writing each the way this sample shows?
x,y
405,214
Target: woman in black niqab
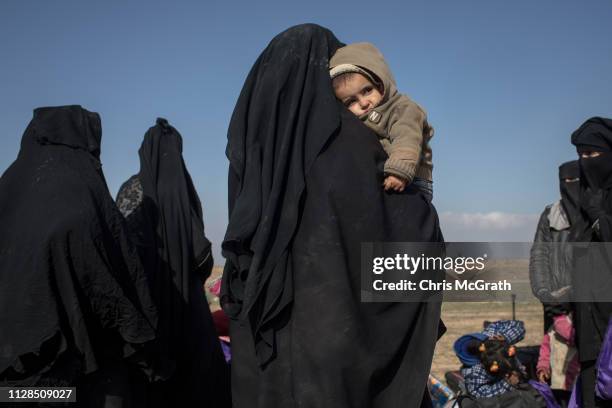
x,y
164,215
305,190
73,296
592,275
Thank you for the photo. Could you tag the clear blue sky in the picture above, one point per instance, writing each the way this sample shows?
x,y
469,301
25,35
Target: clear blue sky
x,y
504,82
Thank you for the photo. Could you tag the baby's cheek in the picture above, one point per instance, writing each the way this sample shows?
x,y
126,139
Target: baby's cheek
x,y
355,110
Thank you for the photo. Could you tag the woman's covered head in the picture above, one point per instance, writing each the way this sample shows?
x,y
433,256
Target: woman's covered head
x,y
70,126
287,89
593,141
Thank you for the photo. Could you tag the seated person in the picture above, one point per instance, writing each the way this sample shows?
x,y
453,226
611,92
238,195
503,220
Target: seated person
x,y
490,366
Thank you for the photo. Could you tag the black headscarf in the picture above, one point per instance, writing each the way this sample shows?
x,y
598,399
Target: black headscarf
x,y
570,191
305,192
284,116
168,227
595,134
73,295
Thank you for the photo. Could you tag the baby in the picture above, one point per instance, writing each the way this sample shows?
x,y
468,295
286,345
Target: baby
x,y
364,83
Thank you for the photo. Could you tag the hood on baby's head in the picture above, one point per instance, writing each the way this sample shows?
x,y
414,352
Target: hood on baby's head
x,y
368,57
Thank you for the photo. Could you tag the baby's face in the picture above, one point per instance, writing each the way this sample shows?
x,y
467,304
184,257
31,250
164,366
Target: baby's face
x,y
357,93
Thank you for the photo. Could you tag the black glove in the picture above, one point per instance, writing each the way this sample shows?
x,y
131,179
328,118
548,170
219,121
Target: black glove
x,y
591,203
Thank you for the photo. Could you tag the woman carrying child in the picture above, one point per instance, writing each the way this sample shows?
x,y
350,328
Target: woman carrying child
x,y
301,337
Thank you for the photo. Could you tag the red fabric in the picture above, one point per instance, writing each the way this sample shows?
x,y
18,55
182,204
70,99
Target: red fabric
x,y
215,289
221,323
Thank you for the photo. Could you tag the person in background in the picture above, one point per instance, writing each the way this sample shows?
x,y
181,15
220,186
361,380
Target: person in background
x,y
164,216
490,366
592,234
550,260
75,307
558,359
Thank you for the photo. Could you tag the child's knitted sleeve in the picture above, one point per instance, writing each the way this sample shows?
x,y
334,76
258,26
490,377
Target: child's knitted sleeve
x,y
512,330
405,128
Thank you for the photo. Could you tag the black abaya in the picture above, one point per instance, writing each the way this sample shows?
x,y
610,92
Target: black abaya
x,y
164,215
73,296
321,347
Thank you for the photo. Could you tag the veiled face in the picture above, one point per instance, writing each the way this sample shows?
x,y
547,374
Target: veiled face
x,y
589,154
357,93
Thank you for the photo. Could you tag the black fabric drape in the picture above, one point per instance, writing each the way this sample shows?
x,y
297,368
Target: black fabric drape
x,y
285,114
311,174
73,295
168,227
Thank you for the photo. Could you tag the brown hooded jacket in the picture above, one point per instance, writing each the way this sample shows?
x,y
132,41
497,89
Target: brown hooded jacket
x,y
400,123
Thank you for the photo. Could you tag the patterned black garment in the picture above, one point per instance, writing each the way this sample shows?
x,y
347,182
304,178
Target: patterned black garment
x,y
130,196
164,216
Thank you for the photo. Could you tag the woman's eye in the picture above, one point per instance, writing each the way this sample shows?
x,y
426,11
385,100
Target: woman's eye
x,y
367,90
349,102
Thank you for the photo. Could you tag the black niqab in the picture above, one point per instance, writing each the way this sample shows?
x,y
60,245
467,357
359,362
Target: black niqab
x,y
305,190
167,225
73,294
570,190
595,135
284,116
597,171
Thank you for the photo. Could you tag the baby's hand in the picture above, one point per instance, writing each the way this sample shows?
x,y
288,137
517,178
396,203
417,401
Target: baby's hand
x,y
394,183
